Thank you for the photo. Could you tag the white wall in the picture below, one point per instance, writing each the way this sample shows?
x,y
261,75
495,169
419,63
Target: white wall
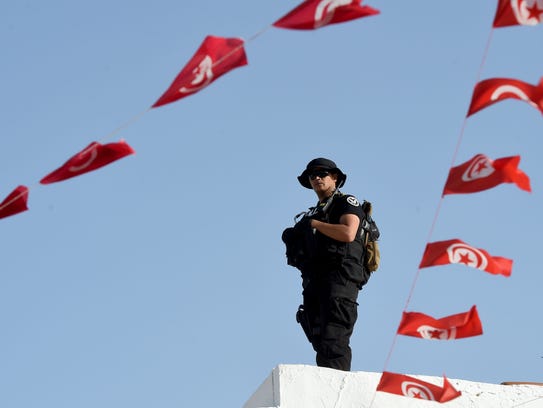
x,y
302,386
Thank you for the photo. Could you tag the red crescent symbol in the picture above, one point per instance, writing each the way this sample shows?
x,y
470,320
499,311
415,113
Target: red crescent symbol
x,y
480,167
415,390
467,255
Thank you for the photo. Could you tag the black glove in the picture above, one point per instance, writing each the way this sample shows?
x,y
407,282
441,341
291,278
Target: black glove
x,y
303,225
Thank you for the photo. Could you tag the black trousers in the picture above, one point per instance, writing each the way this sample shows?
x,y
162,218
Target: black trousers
x,y
331,309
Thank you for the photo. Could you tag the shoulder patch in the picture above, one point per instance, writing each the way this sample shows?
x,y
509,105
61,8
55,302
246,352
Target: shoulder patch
x,y
353,201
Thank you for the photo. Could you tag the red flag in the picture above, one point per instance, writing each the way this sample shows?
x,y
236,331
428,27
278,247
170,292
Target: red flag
x,y
490,91
456,251
406,386
15,202
481,173
215,57
313,14
452,327
91,158
518,12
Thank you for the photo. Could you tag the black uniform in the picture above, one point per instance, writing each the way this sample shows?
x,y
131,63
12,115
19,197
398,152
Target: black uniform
x,y
332,273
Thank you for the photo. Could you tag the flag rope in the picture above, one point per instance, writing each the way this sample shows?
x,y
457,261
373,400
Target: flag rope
x,y
135,118
138,116
437,211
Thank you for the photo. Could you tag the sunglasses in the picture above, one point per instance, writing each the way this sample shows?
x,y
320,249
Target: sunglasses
x,y
318,173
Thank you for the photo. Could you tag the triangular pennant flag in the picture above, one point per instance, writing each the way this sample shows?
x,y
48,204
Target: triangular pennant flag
x,y
313,14
412,387
452,327
215,57
481,173
455,251
91,158
490,91
15,202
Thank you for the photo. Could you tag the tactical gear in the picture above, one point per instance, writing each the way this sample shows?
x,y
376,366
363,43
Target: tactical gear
x,y
302,319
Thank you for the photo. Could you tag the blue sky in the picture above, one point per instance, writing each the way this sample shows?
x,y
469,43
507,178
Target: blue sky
x,y
161,280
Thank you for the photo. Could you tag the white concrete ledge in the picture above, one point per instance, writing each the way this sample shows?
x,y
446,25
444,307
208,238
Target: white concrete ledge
x,y
302,386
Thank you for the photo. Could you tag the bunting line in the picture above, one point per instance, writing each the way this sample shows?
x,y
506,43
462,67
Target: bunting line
x,y
109,137
93,146
437,211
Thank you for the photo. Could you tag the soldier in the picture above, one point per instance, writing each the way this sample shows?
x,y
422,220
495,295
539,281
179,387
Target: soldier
x,y
327,246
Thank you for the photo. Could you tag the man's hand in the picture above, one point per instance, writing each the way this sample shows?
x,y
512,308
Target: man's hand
x,y
304,224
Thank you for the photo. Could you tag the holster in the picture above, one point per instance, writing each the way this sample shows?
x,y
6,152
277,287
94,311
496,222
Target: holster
x,y
301,317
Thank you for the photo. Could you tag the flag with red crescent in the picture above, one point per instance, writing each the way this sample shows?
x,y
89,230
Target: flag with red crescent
x,y
91,158
313,14
457,326
482,173
490,91
15,202
215,57
455,251
412,387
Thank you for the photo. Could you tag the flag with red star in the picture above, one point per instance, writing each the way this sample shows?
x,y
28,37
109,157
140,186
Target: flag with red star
x,y
452,327
313,14
482,173
412,387
15,202
518,12
490,91
215,57
455,251
91,158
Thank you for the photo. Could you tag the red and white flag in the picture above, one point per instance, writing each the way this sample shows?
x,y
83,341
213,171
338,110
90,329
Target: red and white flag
x,y
481,173
15,202
411,387
313,14
490,91
518,12
455,251
452,327
91,158
215,57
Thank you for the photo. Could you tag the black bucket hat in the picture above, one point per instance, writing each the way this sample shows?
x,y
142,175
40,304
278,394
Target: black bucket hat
x,y
325,164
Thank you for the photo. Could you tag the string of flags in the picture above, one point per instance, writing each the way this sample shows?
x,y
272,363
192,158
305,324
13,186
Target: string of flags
x,y
477,174
217,56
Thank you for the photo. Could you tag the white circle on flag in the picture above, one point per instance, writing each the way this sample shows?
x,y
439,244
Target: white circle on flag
x,y
416,390
480,167
433,333
467,255
523,15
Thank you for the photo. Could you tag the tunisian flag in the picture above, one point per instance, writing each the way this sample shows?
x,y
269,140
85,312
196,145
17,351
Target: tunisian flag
x,y
518,12
215,57
455,251
15,202
313,14
481,173
452,327
91,158
490,91
406,386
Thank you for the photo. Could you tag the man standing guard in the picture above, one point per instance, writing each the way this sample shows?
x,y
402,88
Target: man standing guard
x,y
327,246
